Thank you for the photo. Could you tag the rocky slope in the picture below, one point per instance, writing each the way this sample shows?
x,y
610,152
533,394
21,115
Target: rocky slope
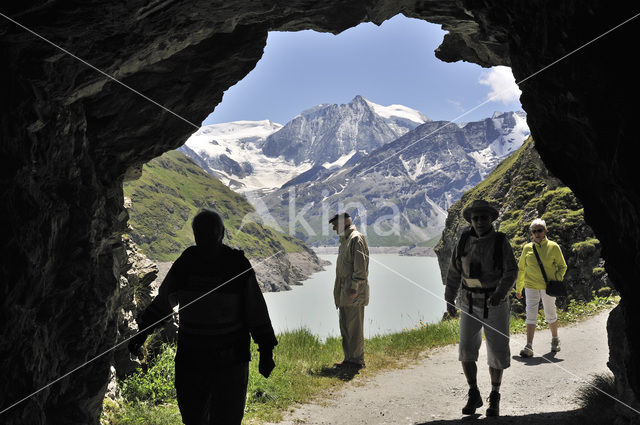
x,y
137,286
171,191
523,189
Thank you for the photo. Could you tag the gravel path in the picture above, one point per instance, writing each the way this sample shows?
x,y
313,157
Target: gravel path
x,y
433,390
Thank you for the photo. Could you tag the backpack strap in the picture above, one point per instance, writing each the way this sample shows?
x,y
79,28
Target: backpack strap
x,y
497,250
485,291
462,242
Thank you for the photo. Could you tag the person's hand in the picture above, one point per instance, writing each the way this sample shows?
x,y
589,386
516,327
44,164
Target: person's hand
x,y
266,364
495,299
136,342
352,294
519,295
452,311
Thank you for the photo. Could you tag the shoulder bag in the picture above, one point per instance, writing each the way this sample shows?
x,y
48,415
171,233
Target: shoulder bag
x,y
555,288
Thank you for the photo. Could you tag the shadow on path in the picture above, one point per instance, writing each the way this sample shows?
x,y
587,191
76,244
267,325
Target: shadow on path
x,y
548,358
342,373
572,417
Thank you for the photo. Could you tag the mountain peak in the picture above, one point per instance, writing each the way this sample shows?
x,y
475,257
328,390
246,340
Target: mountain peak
x,y
398,112
359,99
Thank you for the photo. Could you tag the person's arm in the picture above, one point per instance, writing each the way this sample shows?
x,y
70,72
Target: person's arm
x,y
359,252
258,321
558,262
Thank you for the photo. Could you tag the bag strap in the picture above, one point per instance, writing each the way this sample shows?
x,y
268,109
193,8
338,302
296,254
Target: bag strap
x,y
462,242
497,251
544,275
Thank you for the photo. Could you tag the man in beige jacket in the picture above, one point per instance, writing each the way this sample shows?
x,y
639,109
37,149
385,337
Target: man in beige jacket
x,y
351,289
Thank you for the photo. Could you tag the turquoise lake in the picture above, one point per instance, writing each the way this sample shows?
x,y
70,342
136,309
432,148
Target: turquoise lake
x,y
404,291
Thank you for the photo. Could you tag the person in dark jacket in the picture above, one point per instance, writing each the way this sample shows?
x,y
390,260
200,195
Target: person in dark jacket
x,y
484,265
221,306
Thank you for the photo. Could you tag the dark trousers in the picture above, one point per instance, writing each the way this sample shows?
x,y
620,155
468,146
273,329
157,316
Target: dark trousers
x,y
210,393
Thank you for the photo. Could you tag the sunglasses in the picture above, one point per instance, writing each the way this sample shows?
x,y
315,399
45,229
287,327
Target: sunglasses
x,y
537,231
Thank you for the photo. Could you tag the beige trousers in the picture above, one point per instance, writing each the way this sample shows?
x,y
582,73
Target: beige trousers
x,y
352,331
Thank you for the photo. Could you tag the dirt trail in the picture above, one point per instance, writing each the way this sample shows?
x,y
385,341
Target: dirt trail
x,y
434,390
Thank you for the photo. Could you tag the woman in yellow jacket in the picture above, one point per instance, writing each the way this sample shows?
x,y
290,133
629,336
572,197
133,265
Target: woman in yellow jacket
x,y
530,278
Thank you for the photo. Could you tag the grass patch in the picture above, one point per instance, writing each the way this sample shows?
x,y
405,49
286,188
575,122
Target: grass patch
x,y
168,195
304,368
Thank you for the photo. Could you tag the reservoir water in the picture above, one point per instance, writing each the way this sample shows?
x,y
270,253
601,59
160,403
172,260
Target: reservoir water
x,y
403,291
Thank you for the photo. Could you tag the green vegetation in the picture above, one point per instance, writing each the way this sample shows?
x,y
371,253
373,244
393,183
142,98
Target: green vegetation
x,y
304,369
168,195
156,383
586,247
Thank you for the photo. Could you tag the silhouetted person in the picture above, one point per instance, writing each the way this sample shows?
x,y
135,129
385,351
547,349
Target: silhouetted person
x,y
212,360
351,289
483,263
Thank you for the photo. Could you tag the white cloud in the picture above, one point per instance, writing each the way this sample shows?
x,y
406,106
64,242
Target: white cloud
x,y
502,83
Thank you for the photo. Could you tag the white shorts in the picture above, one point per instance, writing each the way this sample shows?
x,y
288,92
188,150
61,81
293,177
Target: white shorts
x,y
496,332
533,302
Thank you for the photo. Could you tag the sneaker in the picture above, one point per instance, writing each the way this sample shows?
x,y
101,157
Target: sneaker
x,y
494,404
527,351
473,402
555,344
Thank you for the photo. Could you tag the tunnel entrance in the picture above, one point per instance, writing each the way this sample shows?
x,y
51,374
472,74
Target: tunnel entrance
x,y
70,136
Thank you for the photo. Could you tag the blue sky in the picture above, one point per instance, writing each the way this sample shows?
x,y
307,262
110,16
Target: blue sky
x,y
390,64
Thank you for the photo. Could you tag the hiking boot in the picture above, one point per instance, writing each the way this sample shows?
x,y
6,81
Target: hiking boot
x,y
555,344
494,404
473,402
527,351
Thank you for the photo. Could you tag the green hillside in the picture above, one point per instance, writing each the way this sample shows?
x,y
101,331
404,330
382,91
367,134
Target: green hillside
x,y
523,189
168,195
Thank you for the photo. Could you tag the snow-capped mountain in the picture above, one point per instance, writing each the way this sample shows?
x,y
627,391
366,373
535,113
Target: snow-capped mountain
x,y
511,130
232,152
330,135
401,191
259,155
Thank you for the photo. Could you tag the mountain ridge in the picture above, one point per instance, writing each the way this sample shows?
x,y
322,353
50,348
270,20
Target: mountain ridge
x,y
403,188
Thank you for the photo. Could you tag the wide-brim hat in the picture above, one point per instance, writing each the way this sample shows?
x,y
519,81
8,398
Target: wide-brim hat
x,y
480,206
342,215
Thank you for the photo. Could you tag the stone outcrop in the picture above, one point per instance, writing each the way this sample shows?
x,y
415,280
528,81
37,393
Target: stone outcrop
x,y
523,189
137,274
70,135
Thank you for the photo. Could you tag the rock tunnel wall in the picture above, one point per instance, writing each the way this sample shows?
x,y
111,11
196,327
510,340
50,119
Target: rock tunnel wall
x,y
69,135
